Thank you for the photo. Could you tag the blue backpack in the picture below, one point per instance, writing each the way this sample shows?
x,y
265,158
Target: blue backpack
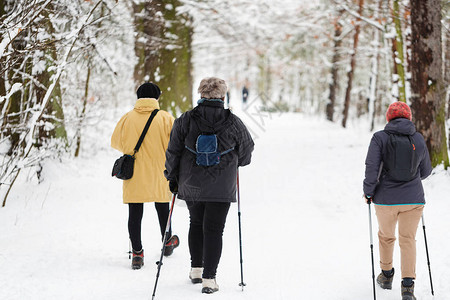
x,y
206,147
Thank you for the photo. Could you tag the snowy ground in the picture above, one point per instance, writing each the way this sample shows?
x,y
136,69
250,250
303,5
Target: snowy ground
x,y
305,227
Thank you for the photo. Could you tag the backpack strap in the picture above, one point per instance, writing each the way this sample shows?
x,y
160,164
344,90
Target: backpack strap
x,y
144,132
216,127
190,149
226,151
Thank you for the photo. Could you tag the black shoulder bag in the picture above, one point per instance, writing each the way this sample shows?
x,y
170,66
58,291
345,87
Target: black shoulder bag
x,y
124,166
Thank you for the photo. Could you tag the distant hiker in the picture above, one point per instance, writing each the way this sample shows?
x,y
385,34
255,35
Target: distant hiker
x,y
207,145
244,94
397,161
148,183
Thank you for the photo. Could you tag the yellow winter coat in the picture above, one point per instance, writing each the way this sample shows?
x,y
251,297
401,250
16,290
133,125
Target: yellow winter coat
x,y
148,183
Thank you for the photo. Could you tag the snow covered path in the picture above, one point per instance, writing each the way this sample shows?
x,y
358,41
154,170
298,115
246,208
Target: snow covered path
x,y
305,227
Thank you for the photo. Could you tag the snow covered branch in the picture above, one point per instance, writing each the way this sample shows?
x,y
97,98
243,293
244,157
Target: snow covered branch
x,y
360,17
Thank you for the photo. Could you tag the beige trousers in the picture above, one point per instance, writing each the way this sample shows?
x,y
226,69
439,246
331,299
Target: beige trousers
x,y
408,217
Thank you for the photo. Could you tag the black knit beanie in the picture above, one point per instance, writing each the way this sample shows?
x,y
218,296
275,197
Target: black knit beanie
x,y
148,90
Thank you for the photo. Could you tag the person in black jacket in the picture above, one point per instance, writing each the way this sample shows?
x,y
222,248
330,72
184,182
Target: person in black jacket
x,y
396,199
207,190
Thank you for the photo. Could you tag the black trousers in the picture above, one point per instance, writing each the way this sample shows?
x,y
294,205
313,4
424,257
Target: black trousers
x,y
207,222
135,213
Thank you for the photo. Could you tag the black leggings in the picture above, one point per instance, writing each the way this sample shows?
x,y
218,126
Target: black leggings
x,y
207,222
136,210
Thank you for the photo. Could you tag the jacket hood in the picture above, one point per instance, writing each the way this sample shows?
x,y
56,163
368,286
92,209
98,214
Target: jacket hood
x,y
400,126
145,105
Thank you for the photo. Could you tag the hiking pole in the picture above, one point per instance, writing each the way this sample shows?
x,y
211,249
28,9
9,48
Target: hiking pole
x,y
129,249
428,257
371,250
159,263
241,284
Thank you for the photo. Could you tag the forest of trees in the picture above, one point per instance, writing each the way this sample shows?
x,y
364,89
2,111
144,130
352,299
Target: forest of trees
x,y
64,64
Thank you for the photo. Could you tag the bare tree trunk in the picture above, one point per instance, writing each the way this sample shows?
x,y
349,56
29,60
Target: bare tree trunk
x,y
387,67
83,111
428,98
399,59
176,67
334,85
54,113
89,58
352,66
149,26
375,61
163,48
2,59
11,125
447,76
2,8
408,40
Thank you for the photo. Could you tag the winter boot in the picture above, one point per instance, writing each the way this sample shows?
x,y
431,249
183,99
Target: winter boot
x,y
171,244
209,286
196,275
385,278
408,292
138,259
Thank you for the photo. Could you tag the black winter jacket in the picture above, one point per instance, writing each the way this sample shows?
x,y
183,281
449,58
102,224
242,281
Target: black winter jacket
x,y
214,183
388,191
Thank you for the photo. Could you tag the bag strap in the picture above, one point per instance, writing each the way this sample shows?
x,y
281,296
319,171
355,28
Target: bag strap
x,y
147,126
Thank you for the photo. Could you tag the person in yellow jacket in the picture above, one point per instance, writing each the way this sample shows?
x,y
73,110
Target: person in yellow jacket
x,y
148,183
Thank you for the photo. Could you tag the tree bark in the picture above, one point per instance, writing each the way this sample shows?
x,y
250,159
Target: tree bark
x,y
407,43
176,67
2,59
334,85
83,111
54,113
375,62
352,66
427,82
399,60
149,25
447,78
163,48
11,125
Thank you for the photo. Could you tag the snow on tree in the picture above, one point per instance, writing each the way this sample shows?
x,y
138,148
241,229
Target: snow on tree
x,y
67,66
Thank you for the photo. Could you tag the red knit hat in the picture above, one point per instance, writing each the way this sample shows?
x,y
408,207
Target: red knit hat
x,y
398,110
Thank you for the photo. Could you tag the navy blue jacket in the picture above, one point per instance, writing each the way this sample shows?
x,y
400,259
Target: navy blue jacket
x,y
387,191
215,183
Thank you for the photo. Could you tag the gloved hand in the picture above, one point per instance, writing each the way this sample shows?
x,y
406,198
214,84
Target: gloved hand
x,y
173,186
368,199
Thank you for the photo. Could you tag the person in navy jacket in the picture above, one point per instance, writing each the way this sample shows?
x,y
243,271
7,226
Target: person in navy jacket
x,y
397,201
